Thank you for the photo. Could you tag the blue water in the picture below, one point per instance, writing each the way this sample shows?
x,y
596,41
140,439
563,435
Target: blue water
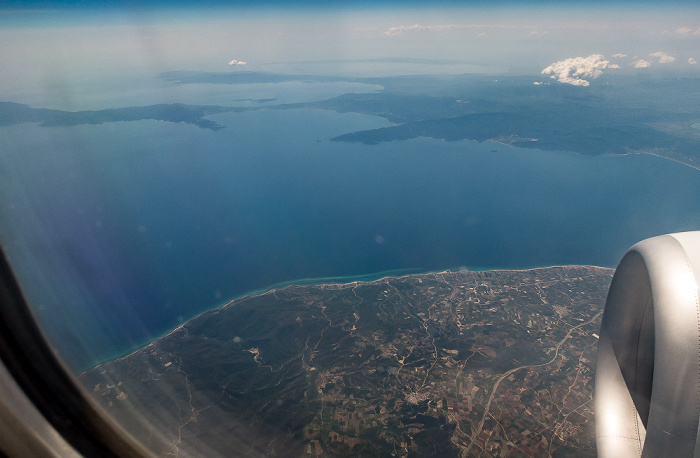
x,y
119,232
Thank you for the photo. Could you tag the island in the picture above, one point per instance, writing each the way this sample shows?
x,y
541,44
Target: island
x,y
16,113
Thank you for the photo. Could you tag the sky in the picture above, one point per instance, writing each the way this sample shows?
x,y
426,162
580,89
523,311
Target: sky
x,y
61,49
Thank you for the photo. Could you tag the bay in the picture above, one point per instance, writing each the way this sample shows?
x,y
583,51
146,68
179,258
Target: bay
x,y
120,232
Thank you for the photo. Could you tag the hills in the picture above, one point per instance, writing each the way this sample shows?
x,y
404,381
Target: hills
x,y
442,364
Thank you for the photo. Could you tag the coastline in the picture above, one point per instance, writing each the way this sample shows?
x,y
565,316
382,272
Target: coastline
x,y
337,281
661,156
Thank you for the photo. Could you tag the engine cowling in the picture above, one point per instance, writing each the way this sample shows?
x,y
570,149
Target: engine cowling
x,y
647,385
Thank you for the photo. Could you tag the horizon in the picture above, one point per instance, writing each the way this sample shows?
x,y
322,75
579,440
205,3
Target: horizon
x,y
76,50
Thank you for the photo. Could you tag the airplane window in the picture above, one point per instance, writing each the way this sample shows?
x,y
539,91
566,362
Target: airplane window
x,y
338,229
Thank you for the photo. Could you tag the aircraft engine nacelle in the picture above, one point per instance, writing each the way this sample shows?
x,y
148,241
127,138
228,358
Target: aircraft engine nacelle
x,y
647,384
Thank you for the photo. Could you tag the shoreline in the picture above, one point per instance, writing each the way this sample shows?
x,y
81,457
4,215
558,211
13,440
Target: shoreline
x,y
660,156
320,281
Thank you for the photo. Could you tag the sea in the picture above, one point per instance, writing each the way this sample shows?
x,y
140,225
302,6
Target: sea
x,y
120,232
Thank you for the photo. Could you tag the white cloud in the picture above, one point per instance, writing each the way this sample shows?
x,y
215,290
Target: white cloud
x,y
692,61
687,31
663,57
237,62
479,28
641,63
574,70
613,66
619,55
418,28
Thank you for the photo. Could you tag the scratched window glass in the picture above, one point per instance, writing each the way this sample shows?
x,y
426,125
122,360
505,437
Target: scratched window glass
x,y
312,230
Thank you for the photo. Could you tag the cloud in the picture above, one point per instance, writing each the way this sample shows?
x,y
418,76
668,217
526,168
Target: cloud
x,y
574,70
641,63
237,62
613,66
619,55
687,31
418,28
401,29
663,57
692,61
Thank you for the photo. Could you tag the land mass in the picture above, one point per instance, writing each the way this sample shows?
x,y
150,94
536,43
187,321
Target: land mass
x,y
15,113
615,115
442,364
